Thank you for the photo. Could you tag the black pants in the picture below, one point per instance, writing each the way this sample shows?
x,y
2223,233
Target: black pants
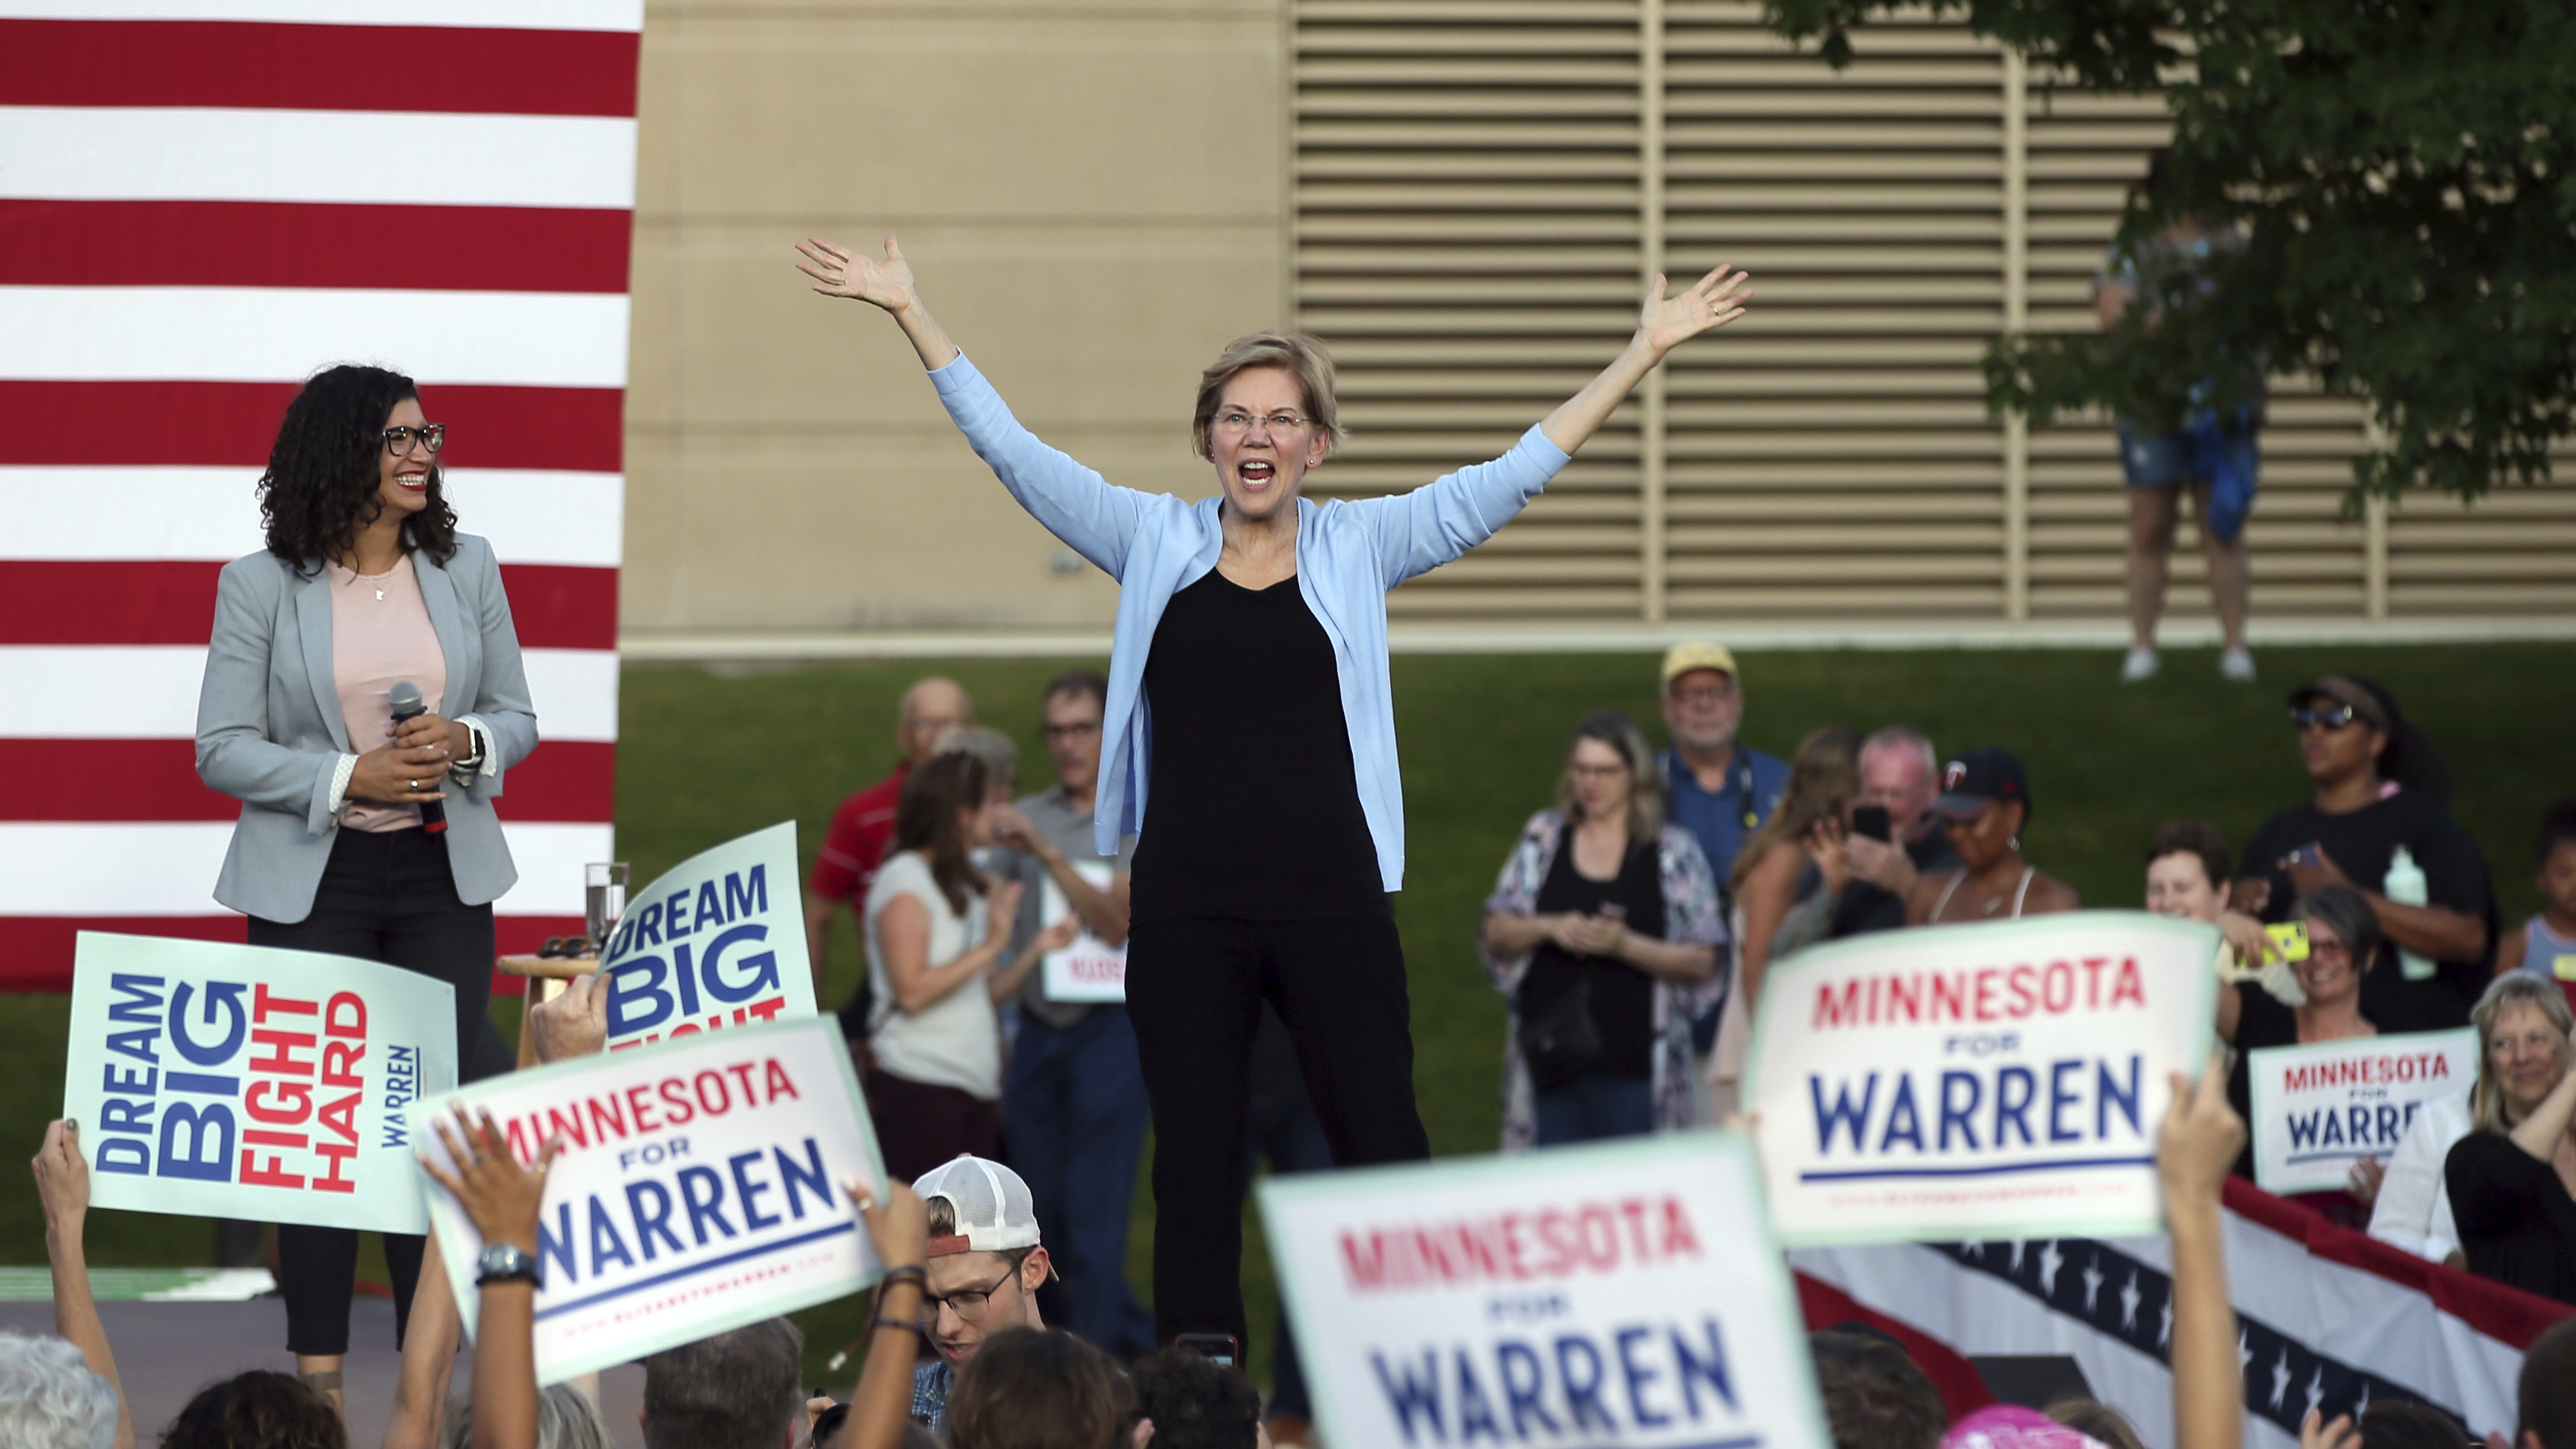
x,y
1194,992
384,897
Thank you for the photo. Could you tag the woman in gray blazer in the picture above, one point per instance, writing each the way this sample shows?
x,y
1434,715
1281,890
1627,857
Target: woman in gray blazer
x,y
365,584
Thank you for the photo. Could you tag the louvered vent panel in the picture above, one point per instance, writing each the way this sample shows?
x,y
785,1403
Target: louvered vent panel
x,y
1467,240
1470,191
1831,455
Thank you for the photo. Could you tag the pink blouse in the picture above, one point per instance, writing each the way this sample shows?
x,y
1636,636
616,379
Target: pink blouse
x,y
380,636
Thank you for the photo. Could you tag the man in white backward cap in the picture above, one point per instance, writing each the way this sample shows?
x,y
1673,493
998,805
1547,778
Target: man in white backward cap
x,y
984,1271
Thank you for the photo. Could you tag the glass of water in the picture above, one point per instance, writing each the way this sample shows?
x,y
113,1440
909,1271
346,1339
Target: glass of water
x,y
603,899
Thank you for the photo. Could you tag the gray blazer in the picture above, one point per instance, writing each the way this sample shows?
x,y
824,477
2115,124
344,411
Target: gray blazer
x,y
269,731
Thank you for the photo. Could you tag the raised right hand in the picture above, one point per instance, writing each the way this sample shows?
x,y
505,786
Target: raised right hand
x,y
844,273
386,774
62,1180
898,1222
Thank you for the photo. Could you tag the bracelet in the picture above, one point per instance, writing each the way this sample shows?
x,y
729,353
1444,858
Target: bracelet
x,y
897,1323
913,1271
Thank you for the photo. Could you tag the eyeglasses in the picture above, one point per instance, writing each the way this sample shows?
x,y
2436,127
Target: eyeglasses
x,y
2331,717
1234,422
1596,772
969,1304
1707,693
1073,731
431,435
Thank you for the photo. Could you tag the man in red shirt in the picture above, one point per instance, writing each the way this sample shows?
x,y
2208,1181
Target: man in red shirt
x,y
855,845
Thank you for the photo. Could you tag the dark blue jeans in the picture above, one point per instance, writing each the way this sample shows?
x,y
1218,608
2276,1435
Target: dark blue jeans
x,y
1073,1123
1591,1108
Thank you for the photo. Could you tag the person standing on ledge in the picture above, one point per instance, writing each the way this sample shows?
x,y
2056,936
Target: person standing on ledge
x,y
1248,686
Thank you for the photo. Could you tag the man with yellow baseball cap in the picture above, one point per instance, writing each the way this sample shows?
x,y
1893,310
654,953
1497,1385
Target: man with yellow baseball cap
x,y
1715,788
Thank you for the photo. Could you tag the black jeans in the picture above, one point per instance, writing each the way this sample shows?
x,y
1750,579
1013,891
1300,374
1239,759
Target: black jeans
x,y
384,897
1194,992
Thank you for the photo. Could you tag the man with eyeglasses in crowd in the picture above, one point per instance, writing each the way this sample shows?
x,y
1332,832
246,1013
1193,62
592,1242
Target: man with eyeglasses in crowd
x,y
984,1270
1715,787
1074,1109
855,843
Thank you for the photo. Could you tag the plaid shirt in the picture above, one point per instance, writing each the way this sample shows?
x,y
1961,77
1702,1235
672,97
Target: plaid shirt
x,y
930,1394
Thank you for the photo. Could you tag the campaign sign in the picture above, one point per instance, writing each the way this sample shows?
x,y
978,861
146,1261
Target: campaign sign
x,y
1090,969
717,941
2319,1109
248,1082
1990,1081
698,1188
1622,1293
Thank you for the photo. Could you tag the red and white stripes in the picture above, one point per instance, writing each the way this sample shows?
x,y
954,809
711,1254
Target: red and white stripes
x,y
201,203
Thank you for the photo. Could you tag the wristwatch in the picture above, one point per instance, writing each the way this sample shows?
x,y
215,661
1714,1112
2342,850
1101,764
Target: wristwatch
x,y
504,1263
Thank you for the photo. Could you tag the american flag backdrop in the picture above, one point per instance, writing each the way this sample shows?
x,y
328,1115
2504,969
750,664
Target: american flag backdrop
x,y
202,202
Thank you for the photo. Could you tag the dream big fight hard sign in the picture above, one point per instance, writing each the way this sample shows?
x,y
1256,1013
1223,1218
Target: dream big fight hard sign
x,y
1625,1293
1978,1081
717,941
247,1082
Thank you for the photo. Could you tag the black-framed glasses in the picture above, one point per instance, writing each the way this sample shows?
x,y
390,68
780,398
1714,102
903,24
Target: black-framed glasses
x,y
432,436
2331,716
969,1304
1235,421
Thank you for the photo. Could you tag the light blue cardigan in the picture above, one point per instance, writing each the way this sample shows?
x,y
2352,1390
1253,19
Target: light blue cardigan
x,y
1348,555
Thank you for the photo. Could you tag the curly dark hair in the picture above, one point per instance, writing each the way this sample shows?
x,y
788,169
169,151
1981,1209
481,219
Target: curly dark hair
x,y
323,477
260,1409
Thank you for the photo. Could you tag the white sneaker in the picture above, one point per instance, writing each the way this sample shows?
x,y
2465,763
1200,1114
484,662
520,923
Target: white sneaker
x,y
2237,664
2140,665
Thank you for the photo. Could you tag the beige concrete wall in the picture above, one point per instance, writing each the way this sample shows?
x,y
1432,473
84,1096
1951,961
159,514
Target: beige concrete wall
x,y
1092,197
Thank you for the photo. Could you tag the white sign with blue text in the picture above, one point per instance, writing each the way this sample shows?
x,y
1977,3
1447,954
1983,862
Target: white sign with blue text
x,y
1619,1293
717,941
2320,1108
1989,1081
698,1188
215,1080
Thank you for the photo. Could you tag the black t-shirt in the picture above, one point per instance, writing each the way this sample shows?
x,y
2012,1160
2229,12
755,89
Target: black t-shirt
x,y
2261,1021
2517,1223
1865,907
2362,843
1622,997
1255,808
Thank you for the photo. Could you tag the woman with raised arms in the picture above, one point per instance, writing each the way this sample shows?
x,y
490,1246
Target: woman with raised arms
x,y
1248,686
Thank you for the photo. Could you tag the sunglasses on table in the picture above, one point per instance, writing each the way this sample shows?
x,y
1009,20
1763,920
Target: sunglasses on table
x,y
2330,716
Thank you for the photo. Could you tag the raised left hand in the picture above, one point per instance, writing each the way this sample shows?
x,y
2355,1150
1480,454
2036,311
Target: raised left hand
x,y
1666,322
2305,877
501,1198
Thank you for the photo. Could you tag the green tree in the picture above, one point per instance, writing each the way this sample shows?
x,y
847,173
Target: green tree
x,y
2405,172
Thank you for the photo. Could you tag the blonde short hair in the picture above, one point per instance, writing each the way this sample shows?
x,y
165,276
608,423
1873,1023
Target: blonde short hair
x,y
1299,355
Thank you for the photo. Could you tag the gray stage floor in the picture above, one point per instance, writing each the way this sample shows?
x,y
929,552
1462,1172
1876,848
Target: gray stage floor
x,y
165,1352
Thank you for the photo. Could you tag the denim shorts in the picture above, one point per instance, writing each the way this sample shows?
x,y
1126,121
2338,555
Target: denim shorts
x,y
2166,460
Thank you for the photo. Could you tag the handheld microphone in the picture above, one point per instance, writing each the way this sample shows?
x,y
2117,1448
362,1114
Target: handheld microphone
x,y
406,700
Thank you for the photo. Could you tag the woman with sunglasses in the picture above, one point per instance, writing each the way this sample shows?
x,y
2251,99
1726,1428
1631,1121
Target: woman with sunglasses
x,y
2380,789
360,835
1248,688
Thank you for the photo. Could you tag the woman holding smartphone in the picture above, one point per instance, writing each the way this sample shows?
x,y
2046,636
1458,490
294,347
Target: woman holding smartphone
x,y
1604,932
1248,689
365,584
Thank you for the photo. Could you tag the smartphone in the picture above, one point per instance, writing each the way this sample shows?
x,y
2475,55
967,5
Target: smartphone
x,y
2290,938
1219,1348
1872,821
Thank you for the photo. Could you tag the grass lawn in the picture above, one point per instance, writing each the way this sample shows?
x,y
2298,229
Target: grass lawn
x,y
710,754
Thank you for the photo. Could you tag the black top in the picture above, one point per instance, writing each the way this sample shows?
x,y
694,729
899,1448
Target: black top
x,y
2361,842
2517,1223
2261,1021
1865,907
1255,810
1622,997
